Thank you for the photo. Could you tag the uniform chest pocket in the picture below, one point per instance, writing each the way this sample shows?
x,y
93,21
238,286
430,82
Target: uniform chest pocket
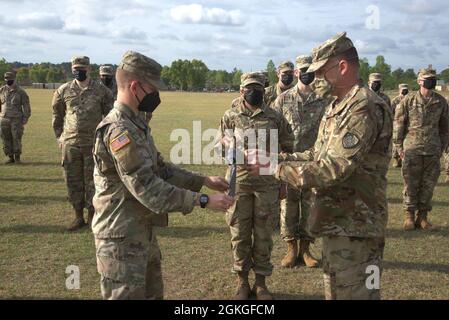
x,y
416,115
15,100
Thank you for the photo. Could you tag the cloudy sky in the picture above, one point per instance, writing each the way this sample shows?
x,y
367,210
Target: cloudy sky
x,y
224,34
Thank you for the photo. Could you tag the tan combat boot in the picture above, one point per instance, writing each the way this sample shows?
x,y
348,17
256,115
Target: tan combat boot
x,y
305,255
409,223
90,216
243,289
17,159
10,161
260,288
78,223
423,223
289,261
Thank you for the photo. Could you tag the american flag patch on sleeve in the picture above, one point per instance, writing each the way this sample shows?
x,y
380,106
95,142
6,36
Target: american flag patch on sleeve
x,y
119,142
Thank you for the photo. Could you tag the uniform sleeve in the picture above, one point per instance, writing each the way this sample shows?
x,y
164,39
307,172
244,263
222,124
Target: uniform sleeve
x,y
59,109
286,137
108,102
179,177
26,108
444,126
307,155
347,149
135,169
400,123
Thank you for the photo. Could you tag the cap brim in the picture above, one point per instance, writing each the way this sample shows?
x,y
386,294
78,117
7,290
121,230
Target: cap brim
x,y
254,82
79,65
317,65
159,84
285,69
302,66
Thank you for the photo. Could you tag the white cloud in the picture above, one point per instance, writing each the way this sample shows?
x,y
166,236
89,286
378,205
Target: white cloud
x,y
196,13
37,20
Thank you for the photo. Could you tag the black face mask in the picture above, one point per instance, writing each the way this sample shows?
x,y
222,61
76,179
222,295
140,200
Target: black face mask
x,y
150,102
404,92
287,79
254,97
107,81
307,77
80,75
430,83
10,82
375,86
267,84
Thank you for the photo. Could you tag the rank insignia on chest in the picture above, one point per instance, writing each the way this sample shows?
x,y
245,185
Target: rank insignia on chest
x,y
119,142
350,141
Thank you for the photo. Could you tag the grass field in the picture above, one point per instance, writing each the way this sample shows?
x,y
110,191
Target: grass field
x,y
35,250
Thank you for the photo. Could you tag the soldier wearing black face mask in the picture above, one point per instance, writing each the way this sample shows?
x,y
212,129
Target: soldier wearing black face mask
x,y
285,73
78,107
107,78
375,84
403,91
421,135
302,107
14,114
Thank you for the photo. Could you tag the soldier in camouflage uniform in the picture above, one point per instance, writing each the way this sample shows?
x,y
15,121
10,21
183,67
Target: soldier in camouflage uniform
x,y
15,111
403,91
303,108
78,107
285,73
375,84
135,188
108,79
347,174
421,135
252,216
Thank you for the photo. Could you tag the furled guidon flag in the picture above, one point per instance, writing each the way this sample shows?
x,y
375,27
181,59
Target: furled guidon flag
x,y
119,142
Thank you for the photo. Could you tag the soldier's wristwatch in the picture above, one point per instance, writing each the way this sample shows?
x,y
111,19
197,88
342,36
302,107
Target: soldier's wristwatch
x,y
204,200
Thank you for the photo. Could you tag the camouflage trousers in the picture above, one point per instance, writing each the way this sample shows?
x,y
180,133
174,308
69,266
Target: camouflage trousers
x,y
446,162
395,153
294,214
78,164
130,268
251,221
350,265
11,132
420,175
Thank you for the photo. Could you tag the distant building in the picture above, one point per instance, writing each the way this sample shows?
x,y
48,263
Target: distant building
x,y
442,86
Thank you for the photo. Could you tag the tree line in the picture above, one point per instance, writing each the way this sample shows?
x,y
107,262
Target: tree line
x,y
194,75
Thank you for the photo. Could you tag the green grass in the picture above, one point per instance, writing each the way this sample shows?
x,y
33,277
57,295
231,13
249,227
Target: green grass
x,y
35,250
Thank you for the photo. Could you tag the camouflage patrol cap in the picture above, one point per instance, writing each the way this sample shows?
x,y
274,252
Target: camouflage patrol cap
x,y
80,61
252,78
286,66
106,71
403,86
428,72
143,67
375,77
303,61
10,75
328,49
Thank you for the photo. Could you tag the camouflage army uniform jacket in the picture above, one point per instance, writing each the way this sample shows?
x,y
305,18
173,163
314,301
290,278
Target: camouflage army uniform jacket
x,y
349,167
385,98
271,93
77,111
134,187
422,127
14,103
238,117
303,116
395,102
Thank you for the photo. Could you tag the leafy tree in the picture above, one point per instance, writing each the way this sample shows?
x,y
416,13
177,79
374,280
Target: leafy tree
x,y
272,74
